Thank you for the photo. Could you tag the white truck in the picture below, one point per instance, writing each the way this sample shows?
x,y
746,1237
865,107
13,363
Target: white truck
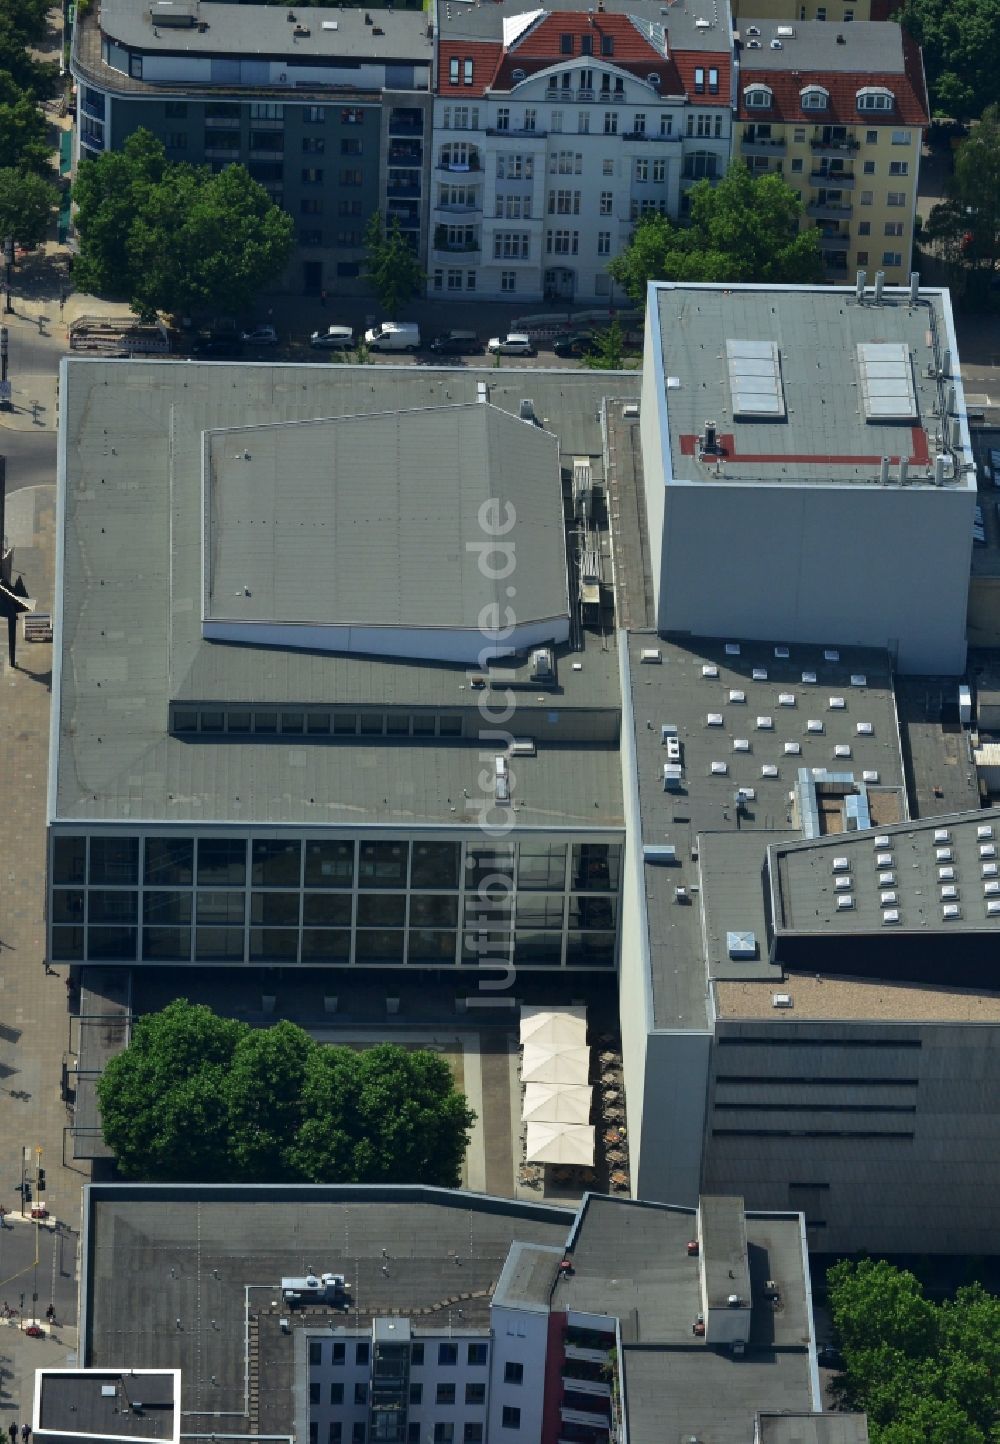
x,y
393,336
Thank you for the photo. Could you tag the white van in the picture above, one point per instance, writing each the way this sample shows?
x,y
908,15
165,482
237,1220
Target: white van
x,y
394,336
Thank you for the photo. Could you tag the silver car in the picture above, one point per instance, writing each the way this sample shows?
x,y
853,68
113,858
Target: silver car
x,y
515,343
334,338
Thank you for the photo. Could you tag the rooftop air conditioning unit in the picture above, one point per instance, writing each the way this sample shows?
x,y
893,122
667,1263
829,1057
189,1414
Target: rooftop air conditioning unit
x,y
734,1301
787,30
777,45
542,665
781,1000
753,45
753,29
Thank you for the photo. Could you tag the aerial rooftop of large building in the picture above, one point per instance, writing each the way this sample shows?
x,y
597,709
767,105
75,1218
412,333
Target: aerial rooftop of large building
x,y
141,1405
152,720
689,24
806,385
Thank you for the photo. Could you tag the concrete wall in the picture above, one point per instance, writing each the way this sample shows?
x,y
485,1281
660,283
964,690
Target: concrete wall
x,y
519,1337
655,436
900,1150
871,566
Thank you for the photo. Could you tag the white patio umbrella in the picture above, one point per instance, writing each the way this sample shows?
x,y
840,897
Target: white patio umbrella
x,y
570,1143
554,1028
554,1065
556,1103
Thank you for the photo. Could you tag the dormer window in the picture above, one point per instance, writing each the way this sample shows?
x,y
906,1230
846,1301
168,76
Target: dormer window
x,y
758,97
875,97
607,45
565,45
586,45
814,97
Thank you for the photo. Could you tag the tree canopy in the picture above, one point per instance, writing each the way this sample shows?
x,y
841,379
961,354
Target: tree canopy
x,y
965,228
744,228
24,141
23,23
27,203
960,40
200,1098
175,237
391,267
924,1372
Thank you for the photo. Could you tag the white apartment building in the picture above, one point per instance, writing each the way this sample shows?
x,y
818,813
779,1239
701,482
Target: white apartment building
x,y
556,130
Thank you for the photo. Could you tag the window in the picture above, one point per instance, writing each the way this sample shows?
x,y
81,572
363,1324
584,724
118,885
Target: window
x,y
871,137
313,144
862,258
473,1432
175,109
713,81
564,203
611,122
447,1354
607,45
607,203
639,123
351,177
445,1394
444,1432
896,198
867,197
453,71
530,118
562,243
700,163
566,162
508,280
869,167
510,246
316,114
467,71
475,1393
607,167
796,165
894,228
339,1354
503,118
358,1432
516,167
659,172
873,97
416,1394
264,110
757,97
892,258
336,1393
899,167
135,66
815,97
510,1418
565,45
361,1355
348,208
314,1393
478,1355
335,1433
350,147
642,171
900,137
604,243
583,122
556,121
586,76
699,80
864,228
586,47
513,1373
311,176
416,1355
177,140
345,238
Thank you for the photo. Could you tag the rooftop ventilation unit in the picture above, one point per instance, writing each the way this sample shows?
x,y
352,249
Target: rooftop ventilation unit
x,y
781,1000
946,874
753,45
890,916
719,769
887,899
831,655
713,719
859,285
755,380
943,854
941,834
845,903
984,831
882,839
886,372
741,744
788,31
543,666
741,944
769,770
526,409
765,724
814,724
659,853
737,695
986,849
842,884
522,747
732,649
753,29
870,774
709,670
786,699
887,879
631,410
990,869
777,44
841,864
991,889
837,704
760,674
809,678
673,776
858,679
883,859
842,749
175,16
950,911
793,749
649,655
949,893
864,729
517,76
993,907
781,653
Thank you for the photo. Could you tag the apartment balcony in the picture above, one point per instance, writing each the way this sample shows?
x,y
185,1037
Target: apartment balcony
x,y
589,1356
403,190
92,143
263,124
834,147
835,265
833,241
465,209
599,1388
229,153
833,179
232,122
406,122
763,147
822,211
405,154
460,167
456,248
90,108
642,135
592,1417
515,133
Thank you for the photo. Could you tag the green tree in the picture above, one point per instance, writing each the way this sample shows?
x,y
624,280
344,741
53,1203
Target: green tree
x,y
176,238
922,1371
391,267
745,228
960,40
24,142
965,228
610,353
164,1099
27,204
202,1098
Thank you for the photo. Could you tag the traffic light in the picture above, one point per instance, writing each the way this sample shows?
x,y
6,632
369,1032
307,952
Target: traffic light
x,y
41,1180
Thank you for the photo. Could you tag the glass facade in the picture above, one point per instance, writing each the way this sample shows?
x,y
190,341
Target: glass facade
x,y
386,902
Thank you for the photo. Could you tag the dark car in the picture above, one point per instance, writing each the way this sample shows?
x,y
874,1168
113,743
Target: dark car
x,y
457,343
584,343
830,1356
225,344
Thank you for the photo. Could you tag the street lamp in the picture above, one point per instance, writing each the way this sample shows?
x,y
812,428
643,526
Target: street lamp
x,y
8,257
4,383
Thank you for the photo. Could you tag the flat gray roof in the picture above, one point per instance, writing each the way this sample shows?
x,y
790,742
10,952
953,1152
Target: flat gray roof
x,y
813,1429
528,1277
130,639
379,520
917,871
724,1247
862,46
264,30
159,1254
675,1395
720,850
122,1403
461,20
821,434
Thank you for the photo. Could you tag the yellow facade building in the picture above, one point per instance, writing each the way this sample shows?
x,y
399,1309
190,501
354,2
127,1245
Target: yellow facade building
x,y
840,112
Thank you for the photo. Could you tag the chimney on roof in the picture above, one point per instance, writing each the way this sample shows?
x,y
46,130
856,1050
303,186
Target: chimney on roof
x,y
841,40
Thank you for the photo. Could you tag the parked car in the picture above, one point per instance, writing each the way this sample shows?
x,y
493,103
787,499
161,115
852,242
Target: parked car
x,y
394,336
261,336
218,346
830,1356
515,343
583,343
457,343
334,338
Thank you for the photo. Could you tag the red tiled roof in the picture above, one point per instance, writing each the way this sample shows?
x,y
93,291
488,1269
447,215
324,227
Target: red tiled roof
x,y
485,56
907,86
542,41
687,61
